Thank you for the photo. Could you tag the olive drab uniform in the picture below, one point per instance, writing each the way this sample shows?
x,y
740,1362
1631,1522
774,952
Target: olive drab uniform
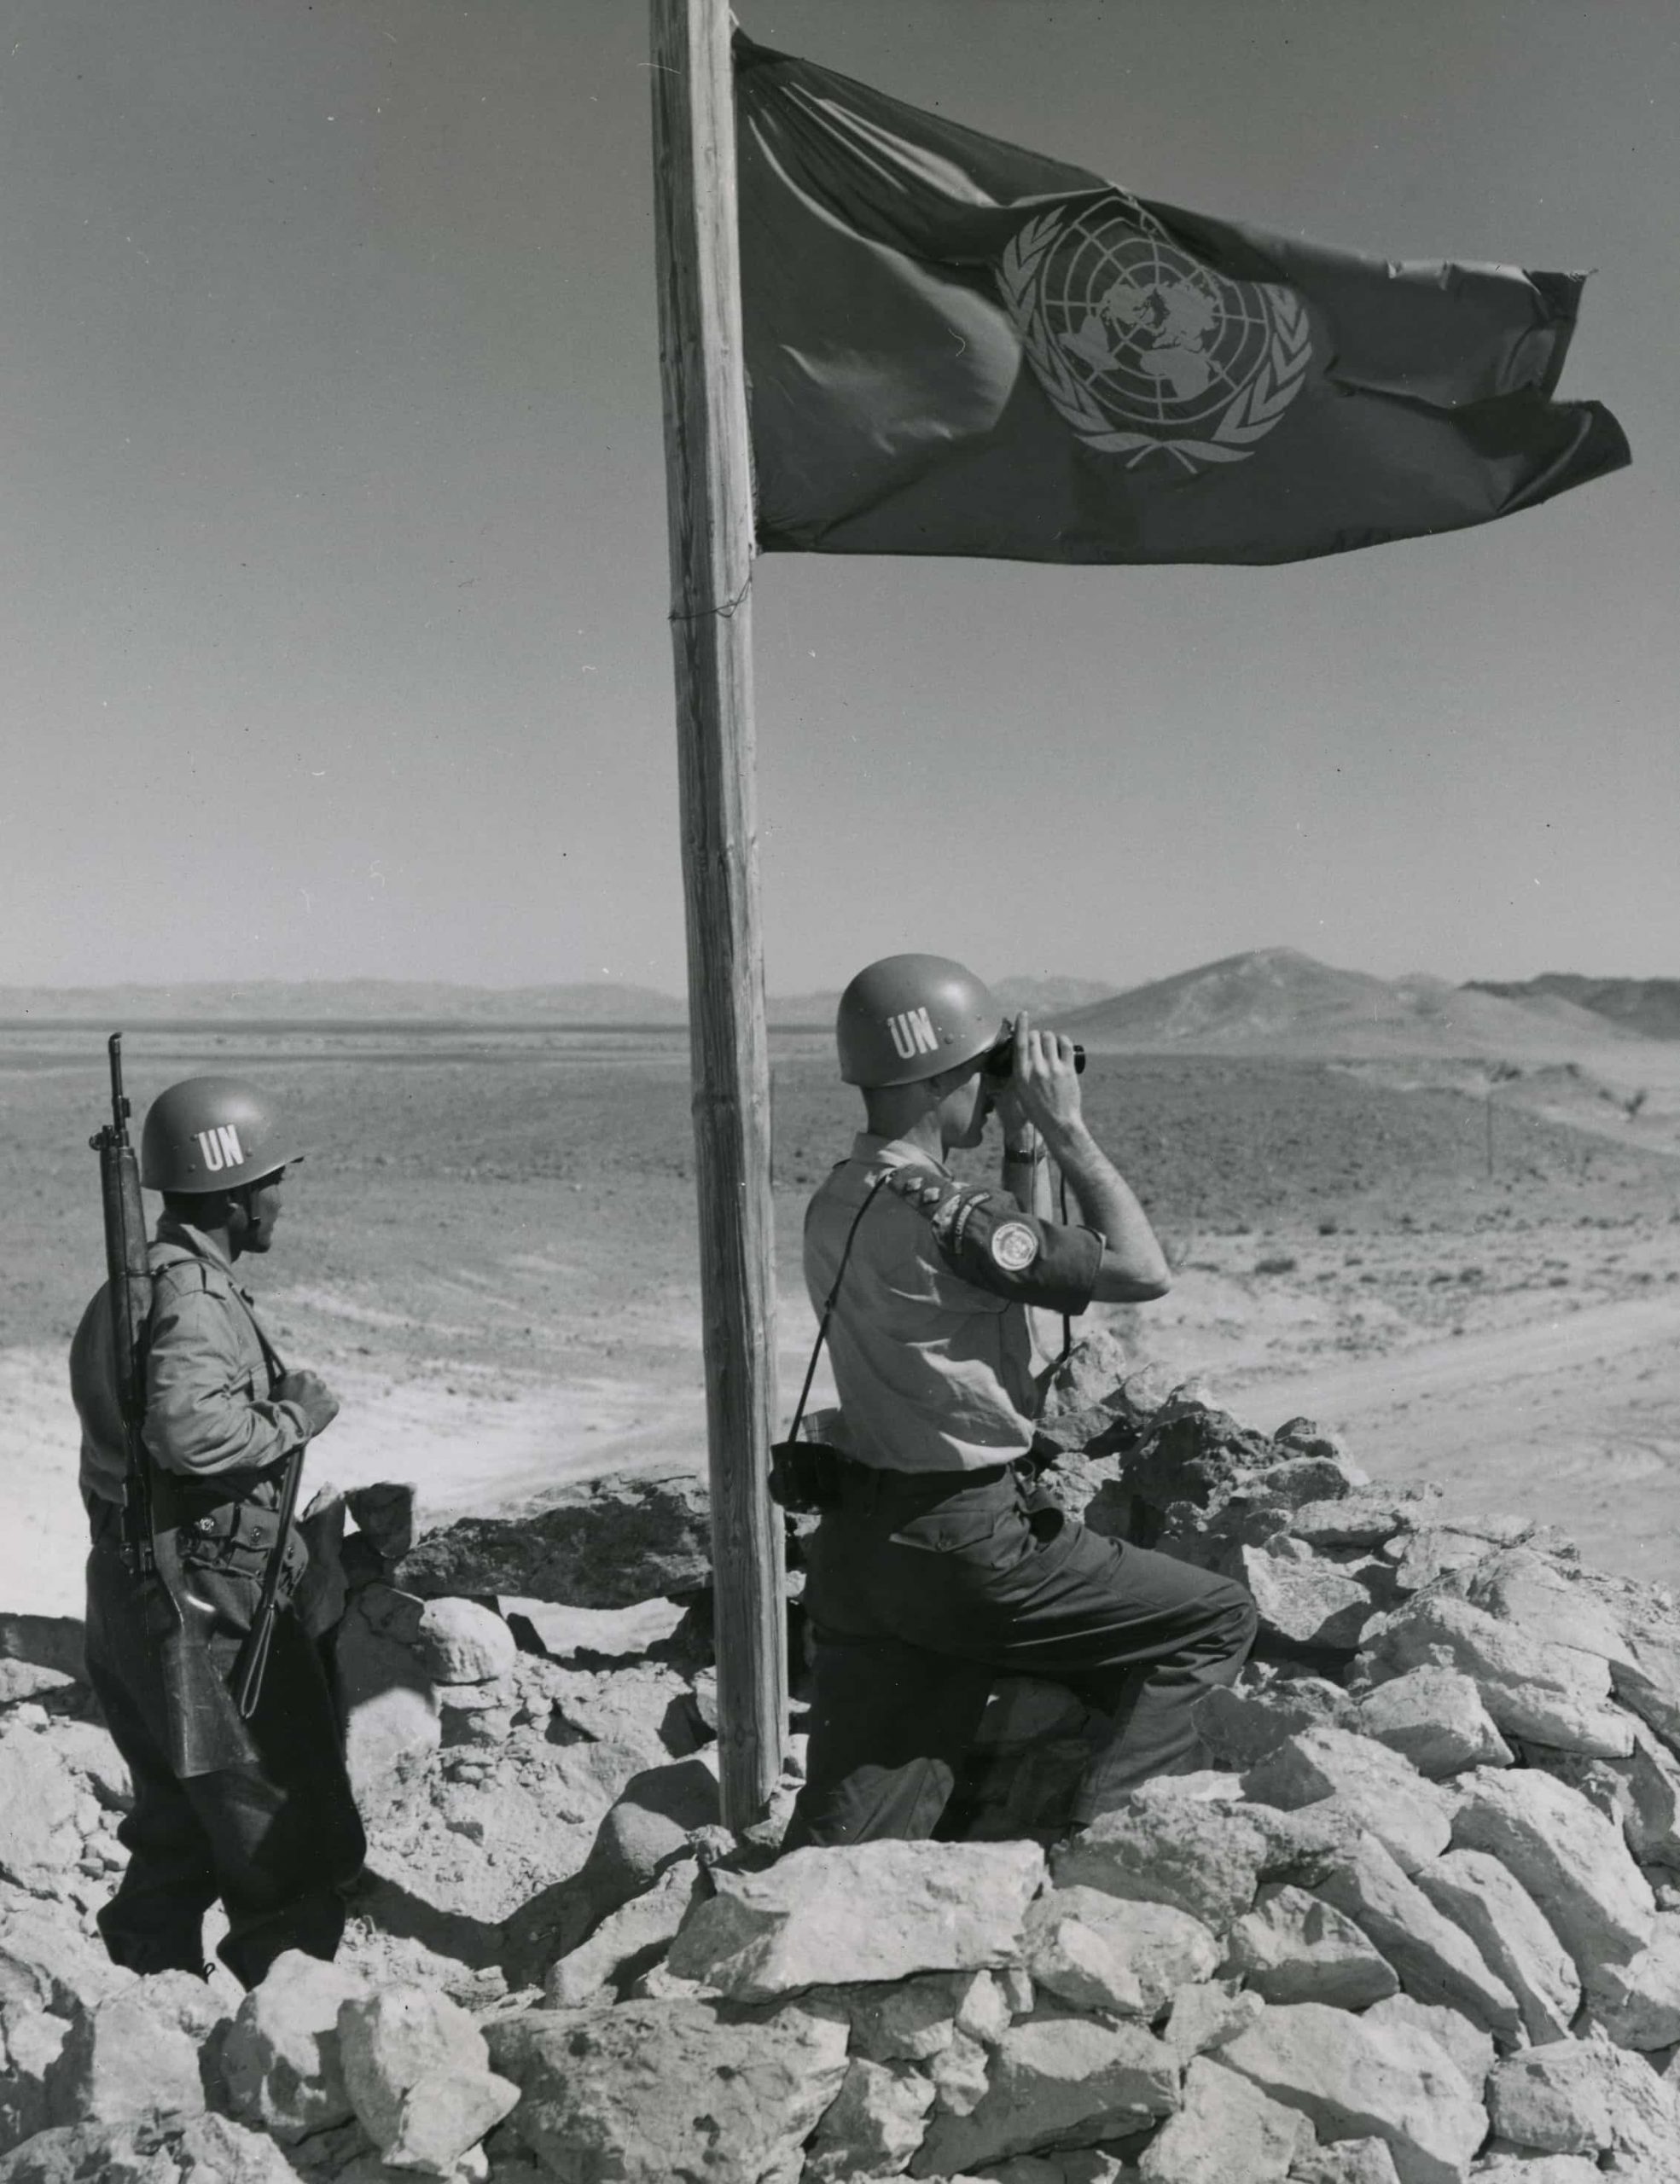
x,y
277,1839
943,1567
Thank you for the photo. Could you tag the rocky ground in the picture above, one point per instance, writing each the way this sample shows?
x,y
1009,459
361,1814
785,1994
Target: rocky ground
x,y
1418,1918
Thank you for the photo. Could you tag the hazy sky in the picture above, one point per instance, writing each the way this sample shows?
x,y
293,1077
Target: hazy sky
x,y
332,628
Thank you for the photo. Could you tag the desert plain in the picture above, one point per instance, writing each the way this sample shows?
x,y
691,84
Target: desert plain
x,y
1466,1266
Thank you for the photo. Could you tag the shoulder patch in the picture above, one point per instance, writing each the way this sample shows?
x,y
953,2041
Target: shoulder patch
x,y
1014,1246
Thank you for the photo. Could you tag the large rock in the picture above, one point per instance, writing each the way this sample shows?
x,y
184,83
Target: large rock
x,y
30,2042
1308,1601
1435,1718
626,1943
21,1680
643,1705
1241,1724
601,1634
1353,2082
390,2041
1227,2131
959,2077
1589,2098
175,2150
1436,1962
1384,1793
1065,2081
651,1824
1553,1603
462,1641
1641,1794
872,2126
1466,2046
604,1542
1423,1555
1492,1908
1570,1858
931,1907
45,1959
652,2091
1638,2004
49,1641
1549,1694
443,2117
1108,1953
1648,1680
1368,1517
280,2061
903,2020
387,1703
133,2057
1207,2013
1203,1858
1295,1947
39,1839
1556,2099
1191,1454
490,1836
86,1749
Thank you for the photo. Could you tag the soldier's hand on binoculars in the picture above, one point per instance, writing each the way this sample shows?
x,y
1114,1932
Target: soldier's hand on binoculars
x,y
1044,1077
311,1393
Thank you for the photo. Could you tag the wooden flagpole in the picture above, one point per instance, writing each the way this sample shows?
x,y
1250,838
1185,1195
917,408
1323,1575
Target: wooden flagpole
x,y
709,500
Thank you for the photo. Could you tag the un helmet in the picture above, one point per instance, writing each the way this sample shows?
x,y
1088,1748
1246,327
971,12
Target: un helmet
x,y
212,1133
909,1017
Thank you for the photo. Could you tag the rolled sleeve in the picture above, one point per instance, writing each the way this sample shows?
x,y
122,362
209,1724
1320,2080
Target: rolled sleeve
x,y
207,1410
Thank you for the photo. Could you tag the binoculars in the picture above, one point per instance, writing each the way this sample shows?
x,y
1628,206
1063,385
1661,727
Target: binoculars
x,y
997,1062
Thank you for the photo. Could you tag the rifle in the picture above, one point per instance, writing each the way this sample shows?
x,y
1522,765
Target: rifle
x,y
206,1735
248,1669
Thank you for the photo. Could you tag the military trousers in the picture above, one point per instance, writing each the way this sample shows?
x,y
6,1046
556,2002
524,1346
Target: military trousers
x,y
923,1589
278,1840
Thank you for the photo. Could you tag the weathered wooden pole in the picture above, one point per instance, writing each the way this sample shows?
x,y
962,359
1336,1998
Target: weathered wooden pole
x,y
709,500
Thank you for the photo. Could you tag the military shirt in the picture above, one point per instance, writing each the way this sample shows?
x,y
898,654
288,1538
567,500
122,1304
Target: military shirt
x,y
208,1408
929,1342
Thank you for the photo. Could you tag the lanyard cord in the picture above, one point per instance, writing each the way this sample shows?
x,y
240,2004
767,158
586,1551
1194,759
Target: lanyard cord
x,y
828,1306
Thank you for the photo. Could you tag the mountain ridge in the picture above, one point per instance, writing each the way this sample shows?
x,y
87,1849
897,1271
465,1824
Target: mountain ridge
x,y
1278,1001
1650,1007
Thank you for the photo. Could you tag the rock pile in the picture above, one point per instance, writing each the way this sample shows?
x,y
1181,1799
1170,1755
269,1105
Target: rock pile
x,y
1418,1920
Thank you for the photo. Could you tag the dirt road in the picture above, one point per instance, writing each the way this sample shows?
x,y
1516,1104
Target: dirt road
x,y
1576,1417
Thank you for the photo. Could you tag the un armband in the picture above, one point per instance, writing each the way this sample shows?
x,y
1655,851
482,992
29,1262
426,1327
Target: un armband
x,y
983,1236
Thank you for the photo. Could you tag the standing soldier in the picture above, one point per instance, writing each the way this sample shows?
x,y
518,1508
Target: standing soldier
x,y
256,1810
935,1570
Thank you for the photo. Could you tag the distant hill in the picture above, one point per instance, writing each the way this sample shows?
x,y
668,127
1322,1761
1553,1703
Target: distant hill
x,y
402,1000
349,1000
1278,1001
1650,1007
1050,996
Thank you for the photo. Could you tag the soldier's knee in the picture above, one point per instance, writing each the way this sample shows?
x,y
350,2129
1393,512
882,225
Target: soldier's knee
x,y
1233,1620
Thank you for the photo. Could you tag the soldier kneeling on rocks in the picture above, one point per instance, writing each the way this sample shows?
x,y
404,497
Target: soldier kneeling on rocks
x,y
937,1567
257,1813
